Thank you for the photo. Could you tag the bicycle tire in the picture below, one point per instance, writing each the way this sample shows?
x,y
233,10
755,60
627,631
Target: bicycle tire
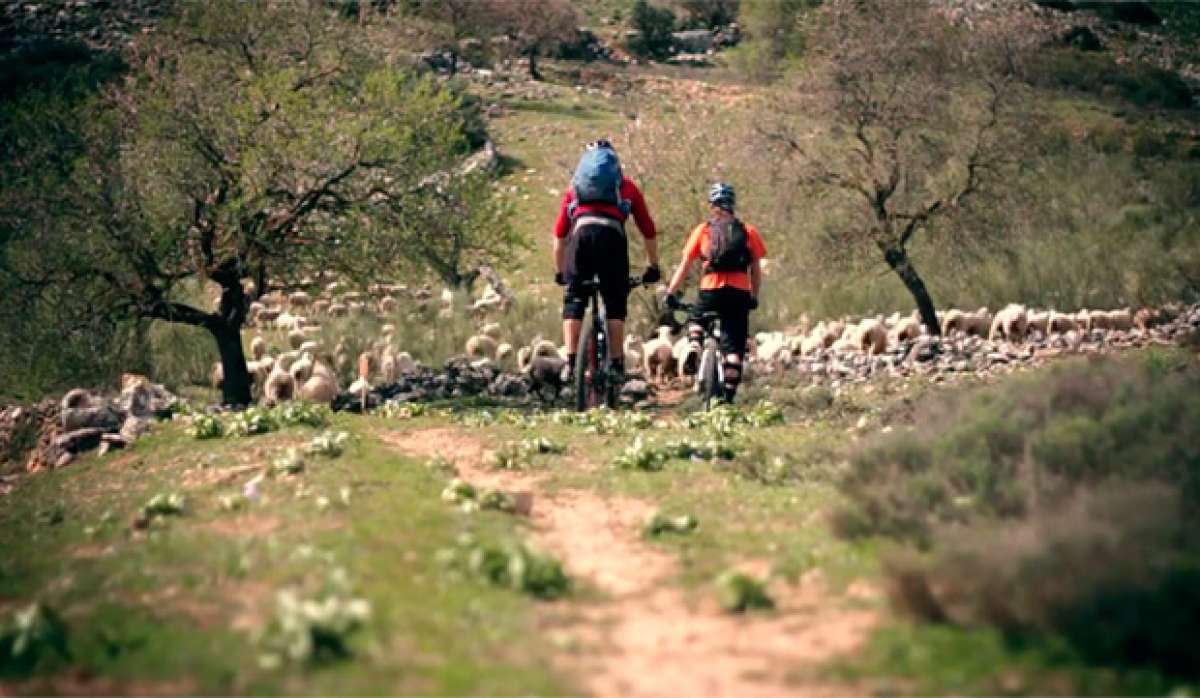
x,y
712,381
584,356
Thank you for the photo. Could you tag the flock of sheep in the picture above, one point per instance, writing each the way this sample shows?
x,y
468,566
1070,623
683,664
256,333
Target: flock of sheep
x,y
308,370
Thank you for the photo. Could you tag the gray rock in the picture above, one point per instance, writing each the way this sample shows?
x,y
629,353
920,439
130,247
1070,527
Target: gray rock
x,y
79,440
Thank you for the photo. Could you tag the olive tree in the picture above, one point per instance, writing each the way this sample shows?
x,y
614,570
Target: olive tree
x,y
897,120
252,142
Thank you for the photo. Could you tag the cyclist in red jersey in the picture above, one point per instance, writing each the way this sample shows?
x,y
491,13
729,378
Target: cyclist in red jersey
x,y
590,242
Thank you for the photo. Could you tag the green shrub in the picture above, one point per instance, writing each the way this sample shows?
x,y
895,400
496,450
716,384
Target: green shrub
x,y
739,593
1097,73
31,635
1115,571
994,453
512,565
654,26
306,631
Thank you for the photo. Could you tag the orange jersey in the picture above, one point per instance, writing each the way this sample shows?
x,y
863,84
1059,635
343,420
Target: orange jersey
x,y
698,245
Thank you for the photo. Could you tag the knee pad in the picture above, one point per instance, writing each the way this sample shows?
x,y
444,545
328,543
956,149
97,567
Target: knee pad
x,y
732,366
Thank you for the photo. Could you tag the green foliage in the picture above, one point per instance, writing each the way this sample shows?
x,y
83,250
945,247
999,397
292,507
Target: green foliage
x,y
1136,82
659,524
328,444
209,160
31,636
1114,573
312,630
775,36
654,26
206,426
740,593
512,565
642,455
1007,450
264,420
710,14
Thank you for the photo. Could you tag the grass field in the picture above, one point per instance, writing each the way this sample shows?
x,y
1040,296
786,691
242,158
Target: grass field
x,y
189,604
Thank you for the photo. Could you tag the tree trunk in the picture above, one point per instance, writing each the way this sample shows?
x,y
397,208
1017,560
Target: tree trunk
x,y
897,259
533,70
236,388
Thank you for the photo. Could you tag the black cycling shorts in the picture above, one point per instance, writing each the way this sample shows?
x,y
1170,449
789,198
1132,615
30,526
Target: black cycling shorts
x,y
597,251
733,306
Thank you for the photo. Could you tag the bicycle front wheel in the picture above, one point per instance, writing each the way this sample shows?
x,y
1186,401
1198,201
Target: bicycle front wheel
x,y
711,377
585,367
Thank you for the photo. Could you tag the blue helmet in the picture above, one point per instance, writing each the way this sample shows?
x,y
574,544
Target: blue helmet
x,y
600,143
722,196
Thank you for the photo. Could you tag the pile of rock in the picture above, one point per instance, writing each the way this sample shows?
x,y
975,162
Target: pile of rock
x,y
945,356
460,377
85,420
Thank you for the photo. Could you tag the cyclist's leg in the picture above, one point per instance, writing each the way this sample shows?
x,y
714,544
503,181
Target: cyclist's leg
x,y
735,325
612,262
575,300
707,303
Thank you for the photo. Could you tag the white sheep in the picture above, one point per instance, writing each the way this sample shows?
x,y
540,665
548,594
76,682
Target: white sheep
x,y
631,351
1061,323
505,354
492,329
299,299
657,357
480,346
685,354
258,347
388,306
1038,321
279,387
1010,324
871,336
295,338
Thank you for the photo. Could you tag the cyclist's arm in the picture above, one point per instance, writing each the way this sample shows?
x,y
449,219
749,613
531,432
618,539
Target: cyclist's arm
x,y
560,255
651,245
680,275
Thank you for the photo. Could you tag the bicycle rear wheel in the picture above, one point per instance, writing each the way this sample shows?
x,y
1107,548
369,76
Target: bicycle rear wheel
x,y
585,367
710,363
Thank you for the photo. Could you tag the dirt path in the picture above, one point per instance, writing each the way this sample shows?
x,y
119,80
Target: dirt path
x,y
647,637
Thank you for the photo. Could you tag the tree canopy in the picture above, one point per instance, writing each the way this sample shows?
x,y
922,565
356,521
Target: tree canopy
x,y
249,143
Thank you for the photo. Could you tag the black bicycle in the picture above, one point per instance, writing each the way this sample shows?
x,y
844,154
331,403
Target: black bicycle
x,y
592,382
710,379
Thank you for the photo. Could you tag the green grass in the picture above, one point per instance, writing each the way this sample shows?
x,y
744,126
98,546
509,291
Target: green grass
x,y
166,600
175,607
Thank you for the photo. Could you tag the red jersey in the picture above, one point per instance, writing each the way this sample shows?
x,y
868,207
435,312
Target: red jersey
x,y
629,192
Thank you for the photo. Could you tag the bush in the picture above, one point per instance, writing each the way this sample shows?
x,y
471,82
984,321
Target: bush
x,y
1030,442
1116,572
1097,73
654,26
1055,506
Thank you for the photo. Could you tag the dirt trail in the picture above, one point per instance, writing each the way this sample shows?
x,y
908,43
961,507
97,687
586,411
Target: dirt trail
x,y
648,637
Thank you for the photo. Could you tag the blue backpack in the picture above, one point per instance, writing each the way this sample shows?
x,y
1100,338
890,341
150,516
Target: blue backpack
x,y
598,180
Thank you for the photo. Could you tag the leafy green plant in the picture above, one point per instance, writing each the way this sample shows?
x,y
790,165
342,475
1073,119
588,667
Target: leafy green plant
x,y
30,635
206,426
541,444
642,455
512,565
289,462
659,524
307,631
739,593
510,457
329,444
251,422
407,410
300,414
